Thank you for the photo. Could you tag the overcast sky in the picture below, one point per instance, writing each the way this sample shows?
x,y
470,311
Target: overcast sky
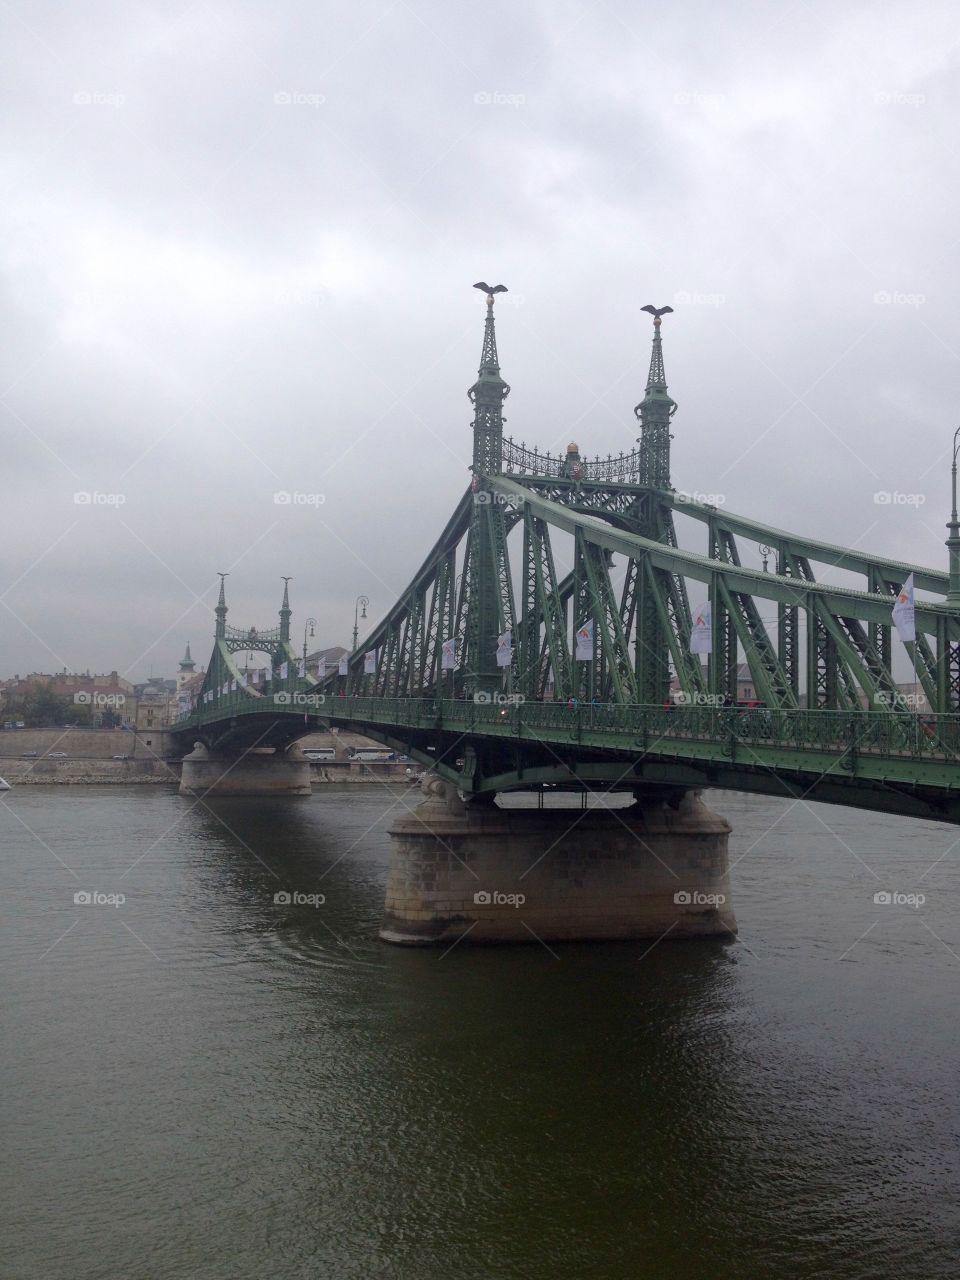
x,y
236,253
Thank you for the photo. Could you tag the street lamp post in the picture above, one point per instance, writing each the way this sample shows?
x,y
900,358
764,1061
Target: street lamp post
x,y
311,623
953,524
361,602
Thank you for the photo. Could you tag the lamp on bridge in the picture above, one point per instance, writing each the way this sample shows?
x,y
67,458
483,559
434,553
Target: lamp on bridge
x,y
953,524
311,623
360,601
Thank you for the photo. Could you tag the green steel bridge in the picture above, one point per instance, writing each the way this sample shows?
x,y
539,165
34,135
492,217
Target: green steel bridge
x,y
477,672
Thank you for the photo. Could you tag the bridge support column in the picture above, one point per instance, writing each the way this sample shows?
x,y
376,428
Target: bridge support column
x,y
245,773
488,874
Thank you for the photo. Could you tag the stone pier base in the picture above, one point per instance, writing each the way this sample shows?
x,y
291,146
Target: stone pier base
x,y
488,874
245,773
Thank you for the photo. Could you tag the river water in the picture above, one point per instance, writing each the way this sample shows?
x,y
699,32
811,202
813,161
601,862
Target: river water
x,y
203,1083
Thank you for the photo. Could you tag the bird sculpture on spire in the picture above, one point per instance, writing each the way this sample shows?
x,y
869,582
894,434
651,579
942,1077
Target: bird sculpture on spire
x,y
656,312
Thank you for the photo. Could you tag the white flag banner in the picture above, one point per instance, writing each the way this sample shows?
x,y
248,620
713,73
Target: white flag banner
x,y
905,612
284,670
225,688
584,646
233,686
448,655
243,679
505,649
321,668
370,663
701,636
301,668
343,666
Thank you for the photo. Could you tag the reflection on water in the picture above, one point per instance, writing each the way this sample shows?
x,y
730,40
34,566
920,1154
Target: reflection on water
x,y
205,1082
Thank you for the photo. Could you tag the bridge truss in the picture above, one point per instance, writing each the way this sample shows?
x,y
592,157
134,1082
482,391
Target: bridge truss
x,y
541,546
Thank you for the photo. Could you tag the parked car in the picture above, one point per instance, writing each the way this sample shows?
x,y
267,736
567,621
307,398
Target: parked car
x,y
122,756
57,755
28,755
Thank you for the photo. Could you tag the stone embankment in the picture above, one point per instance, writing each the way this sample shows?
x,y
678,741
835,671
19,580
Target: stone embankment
x,y
46,773
89,759
27,759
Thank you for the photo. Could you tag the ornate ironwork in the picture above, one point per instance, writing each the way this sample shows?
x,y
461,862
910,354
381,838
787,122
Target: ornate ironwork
x,y
621,468
833,716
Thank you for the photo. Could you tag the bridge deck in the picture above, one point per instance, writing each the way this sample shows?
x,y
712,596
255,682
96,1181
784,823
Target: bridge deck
x,y
826,754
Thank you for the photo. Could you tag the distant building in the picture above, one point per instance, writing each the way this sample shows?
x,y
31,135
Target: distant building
x,y
187,669
331,656
104,692
746,689
153,706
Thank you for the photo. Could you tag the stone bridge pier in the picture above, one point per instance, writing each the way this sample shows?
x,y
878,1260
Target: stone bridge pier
x,y
659,867
262,771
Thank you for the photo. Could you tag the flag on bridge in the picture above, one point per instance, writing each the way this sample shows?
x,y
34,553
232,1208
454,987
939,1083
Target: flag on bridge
x,y
448,655
505,649
905,612
370,663
301,668
243,679
233,686
583,650
256,675
701,637
284,670
343,666
321,668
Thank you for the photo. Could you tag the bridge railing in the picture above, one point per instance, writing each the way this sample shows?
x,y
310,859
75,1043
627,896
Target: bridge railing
x,y
640,727
868,732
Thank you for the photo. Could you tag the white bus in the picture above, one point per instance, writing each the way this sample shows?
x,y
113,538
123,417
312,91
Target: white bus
x,y
369,754
321,753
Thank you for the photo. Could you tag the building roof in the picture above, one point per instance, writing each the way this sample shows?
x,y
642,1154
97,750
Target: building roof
x,y
333,654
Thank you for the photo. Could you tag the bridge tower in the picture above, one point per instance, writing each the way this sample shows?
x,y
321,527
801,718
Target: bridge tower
x,y
487,583
222,764
654,412
285,613
221,609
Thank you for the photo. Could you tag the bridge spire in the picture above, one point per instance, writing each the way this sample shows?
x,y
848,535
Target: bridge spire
x,y
221,609
655,411
285,611
488,394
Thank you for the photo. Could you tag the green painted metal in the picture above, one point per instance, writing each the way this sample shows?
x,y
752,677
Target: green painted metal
x,y
829,647
489,605
654,412
869,753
